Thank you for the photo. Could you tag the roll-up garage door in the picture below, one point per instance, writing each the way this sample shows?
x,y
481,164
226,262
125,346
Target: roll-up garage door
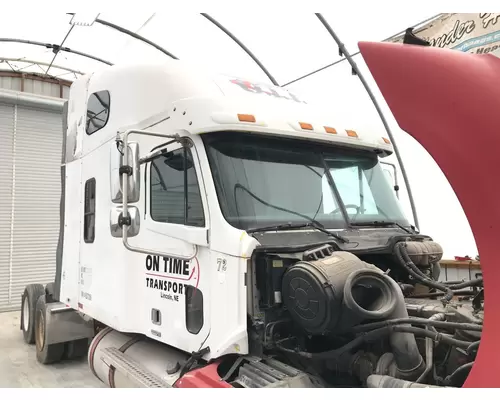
x,y
30,154
6,185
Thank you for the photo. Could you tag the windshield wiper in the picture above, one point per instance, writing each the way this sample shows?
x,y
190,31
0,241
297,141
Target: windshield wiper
x,y
381,223
313,224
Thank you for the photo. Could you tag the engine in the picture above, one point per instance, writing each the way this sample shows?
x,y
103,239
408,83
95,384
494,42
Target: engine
x,y
369,320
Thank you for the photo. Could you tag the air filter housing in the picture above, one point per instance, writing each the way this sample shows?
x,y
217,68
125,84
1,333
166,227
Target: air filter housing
x,y
336,292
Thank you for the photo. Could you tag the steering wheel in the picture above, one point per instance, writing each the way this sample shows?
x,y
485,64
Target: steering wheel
x,y
357,208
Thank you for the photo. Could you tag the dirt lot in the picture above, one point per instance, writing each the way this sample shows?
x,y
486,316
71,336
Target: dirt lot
x,y
20,369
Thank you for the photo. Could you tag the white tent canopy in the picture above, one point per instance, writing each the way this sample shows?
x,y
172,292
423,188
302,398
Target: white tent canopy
x,y
289,45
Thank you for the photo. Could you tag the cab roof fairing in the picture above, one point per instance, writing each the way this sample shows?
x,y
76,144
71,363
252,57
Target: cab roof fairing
x,y
200,101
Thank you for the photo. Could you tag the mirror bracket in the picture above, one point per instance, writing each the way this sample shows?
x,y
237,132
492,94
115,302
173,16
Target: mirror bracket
x,y
184,142
127,221
125,169
118,223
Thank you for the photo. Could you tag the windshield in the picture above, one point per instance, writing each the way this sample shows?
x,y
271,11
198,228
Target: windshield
x,y
263,181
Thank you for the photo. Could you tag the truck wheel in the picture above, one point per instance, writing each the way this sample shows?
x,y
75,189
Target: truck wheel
x,y
28,304
76,349
45,353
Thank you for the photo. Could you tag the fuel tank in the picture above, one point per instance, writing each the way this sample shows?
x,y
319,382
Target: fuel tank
x,y
150,358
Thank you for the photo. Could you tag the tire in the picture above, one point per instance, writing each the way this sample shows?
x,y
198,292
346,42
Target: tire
x,y
45,354
28,304
76,349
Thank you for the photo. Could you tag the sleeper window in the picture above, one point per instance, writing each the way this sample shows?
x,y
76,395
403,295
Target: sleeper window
x,y
97,111
89,211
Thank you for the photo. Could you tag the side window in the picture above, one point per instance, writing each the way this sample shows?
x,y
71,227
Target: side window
x,y
175,193
97,111
89,212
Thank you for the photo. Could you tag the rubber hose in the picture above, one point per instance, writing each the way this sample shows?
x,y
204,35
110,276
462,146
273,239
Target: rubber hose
x,y
376,335
449,283
437,294
460,373
406,288
473,347
412,265
436,336
408,360
418,321
408,265
429,349
436,271
474,282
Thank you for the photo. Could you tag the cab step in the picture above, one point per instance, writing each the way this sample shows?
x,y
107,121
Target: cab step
x,y
131,369
270,373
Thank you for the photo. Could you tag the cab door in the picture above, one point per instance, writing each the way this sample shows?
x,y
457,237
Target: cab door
x,y
168,237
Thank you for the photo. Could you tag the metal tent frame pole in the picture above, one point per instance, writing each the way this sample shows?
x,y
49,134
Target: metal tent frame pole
x,y
355,68
239,43
355,54
54,47
56,50
135,36
41,63
125,31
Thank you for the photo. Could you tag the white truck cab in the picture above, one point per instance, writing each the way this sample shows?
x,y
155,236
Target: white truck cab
x,y
179,189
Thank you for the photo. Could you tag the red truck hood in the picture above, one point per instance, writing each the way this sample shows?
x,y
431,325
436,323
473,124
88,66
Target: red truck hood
x,y
449,102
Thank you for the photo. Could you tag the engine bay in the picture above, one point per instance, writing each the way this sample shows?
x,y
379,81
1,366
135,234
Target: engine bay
x,y
373,319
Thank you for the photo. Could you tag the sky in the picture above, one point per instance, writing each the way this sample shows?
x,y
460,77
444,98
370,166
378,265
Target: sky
x,y
290,44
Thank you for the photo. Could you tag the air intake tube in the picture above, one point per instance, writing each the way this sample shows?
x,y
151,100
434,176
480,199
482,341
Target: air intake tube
x,y
405,361
338,292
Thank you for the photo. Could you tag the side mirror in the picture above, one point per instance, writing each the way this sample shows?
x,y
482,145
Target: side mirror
x,y
116,225
134,180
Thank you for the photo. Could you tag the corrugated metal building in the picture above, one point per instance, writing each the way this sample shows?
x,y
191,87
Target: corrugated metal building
x,y
30,154
452,270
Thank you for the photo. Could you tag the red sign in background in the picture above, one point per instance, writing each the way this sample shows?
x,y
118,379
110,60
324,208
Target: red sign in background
x,y
449,102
